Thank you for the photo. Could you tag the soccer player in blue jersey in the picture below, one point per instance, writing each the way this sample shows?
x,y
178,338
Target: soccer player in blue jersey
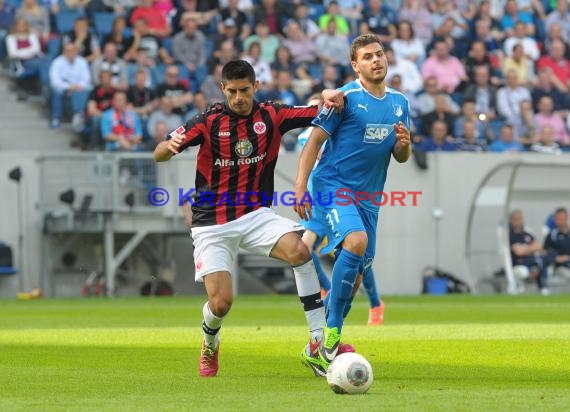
x,y
362,139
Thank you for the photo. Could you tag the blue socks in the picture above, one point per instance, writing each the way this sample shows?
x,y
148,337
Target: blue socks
x,y
369,284
344,275
323,279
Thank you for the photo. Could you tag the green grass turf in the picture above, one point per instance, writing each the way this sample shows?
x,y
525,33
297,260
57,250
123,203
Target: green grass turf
x,y
455,353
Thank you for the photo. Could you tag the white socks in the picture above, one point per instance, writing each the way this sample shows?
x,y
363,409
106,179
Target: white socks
x,y
211,327
310,294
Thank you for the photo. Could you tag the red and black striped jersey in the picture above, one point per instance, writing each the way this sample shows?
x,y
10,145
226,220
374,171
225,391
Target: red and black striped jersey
x,y
237,157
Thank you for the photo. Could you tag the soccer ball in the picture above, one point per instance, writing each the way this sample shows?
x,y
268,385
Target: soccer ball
x,y
350,373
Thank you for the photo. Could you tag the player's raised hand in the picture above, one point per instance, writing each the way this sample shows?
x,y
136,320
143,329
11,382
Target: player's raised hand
x,y
175,142
334,98
302,204
402,134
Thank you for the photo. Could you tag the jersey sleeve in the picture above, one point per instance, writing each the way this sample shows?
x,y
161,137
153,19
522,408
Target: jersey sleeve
x,y
193,130
328,119
293,117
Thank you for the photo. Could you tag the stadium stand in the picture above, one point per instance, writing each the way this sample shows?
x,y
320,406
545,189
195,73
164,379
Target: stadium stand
x,y
475,34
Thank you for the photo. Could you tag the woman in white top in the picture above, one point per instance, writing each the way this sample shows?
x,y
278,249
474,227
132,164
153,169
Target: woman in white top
x,y
407,46
24,50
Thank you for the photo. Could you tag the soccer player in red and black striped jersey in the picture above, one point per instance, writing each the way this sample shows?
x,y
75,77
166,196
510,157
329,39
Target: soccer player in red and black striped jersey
x,y
239,143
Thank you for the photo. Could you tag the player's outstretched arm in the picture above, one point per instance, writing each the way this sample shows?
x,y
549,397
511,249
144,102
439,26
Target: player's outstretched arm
x,y
402,149
165,150
306,164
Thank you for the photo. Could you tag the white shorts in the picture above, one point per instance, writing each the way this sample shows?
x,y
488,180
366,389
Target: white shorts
x,y
216,246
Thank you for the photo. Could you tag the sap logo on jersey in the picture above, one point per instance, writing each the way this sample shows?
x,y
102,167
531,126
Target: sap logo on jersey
x,y
376,133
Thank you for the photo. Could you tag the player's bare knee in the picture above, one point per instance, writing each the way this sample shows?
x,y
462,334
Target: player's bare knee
x,y
356,243
220,304
299,255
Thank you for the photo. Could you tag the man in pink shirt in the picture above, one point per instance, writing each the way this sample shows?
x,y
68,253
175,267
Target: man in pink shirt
x,y
447,69
546,117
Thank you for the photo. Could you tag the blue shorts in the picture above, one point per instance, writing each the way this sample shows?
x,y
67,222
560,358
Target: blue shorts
x,y
317,227
343,219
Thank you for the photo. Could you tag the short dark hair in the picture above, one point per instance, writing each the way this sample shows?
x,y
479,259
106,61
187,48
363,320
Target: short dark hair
x,y
238,69
362,41
561,210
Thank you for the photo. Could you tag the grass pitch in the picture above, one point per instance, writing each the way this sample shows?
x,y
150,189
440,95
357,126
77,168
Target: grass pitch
x,y
455,353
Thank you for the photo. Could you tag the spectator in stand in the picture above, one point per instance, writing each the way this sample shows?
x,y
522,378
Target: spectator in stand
x,y
411,78
224,54
469,141
144,63
506,141
188,48
381,20
447,20
334,49
236,18
87,43
200,105
211,86
556,61
274,14
69,77
330,80
262,69
529,45
301,48
557,244
203,11
484,13
521,64
425,102
308,26
121,127
478,57
24,51
284,61
546,143
284,89
560,16
37,17
555,34
156,136
525,125
468,114
118,37
549,85
510,96
513,15
100,100
332,14
231,34
142,98
7,13
157,24
407,46
143,38
165,115
176,89
416,11
448,70
548,117
492,41
268,42
109,61
438,139
351,10
484,94
119,7
441,112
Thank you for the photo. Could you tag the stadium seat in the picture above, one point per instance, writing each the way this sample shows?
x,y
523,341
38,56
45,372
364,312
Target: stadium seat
x,y
65,20
316,11
167,44
209,49
53,47
103,23
6,260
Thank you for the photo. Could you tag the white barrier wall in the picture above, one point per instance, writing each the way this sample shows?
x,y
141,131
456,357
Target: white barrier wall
x,y
409,237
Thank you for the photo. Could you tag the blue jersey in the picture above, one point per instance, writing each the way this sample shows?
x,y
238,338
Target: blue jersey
x,y
301,141
360,143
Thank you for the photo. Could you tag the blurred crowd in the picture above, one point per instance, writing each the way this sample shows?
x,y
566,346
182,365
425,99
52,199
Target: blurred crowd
x,y
479,75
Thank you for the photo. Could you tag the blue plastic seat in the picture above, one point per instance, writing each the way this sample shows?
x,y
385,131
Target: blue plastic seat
x,y
103,23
